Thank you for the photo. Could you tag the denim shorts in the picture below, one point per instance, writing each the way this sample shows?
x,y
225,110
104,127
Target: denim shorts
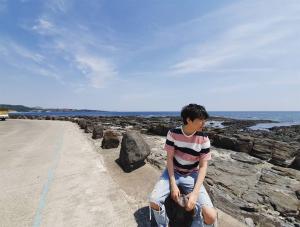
x,y
162,190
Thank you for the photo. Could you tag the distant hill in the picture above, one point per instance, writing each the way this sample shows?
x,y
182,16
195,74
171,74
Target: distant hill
x,y
21,108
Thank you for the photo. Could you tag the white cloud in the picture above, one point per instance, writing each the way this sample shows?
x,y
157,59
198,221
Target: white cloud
x,y
98,70
252,38
44,27
77,46
58,6
24,52
27,60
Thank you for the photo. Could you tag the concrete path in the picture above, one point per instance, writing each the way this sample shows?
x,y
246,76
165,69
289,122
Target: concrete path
x,y
51,175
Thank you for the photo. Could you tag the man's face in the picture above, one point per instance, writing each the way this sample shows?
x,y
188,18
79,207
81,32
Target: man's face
x,y
197,124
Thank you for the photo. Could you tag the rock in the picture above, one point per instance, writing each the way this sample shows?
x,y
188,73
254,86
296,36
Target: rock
x,y
262,149
159,129
288,173
89,127
74,120
243,143
297,192
241,186
235,142
82,123
292,132
253,197
97,131
221,173
283,153
296,162
270,177
224,141
134,150
240,124
249,222
243,157
110,140
284,203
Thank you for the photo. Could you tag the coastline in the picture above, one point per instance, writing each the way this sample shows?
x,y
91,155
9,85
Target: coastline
x,y
246,166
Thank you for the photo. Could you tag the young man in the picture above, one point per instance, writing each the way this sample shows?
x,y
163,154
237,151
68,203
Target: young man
x,y
188,150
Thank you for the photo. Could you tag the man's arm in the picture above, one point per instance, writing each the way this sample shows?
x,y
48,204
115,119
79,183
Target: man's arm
x,y
202,173
170,148
170,166
204,157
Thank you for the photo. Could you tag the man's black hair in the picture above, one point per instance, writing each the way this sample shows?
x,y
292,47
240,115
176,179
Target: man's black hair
x,y
193,111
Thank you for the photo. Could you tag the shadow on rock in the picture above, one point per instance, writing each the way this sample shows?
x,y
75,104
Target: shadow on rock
x,y
130,168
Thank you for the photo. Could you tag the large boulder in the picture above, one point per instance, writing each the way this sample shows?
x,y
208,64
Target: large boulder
x,y
110,140
134,150
98,131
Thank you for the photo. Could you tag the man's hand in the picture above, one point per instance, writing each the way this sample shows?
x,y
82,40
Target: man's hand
x,y
175,193
192,201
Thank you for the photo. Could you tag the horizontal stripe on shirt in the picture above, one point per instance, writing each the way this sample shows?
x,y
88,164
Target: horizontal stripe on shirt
x,y
188,167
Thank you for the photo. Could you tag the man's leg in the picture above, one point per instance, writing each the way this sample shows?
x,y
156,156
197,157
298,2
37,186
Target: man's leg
x,y
154,206
206,207
209,214
157,198
205,211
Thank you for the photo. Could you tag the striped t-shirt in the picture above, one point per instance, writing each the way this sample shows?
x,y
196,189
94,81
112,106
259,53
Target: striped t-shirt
x,y
187,150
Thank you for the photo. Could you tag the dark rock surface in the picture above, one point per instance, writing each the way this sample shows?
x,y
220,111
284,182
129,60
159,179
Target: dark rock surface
x,y
134,150
98,131
110,140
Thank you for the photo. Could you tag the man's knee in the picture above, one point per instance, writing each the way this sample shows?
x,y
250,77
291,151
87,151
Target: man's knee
x,y
153,201
209,215
154,206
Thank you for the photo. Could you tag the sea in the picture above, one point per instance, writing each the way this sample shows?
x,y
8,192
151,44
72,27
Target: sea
x,y
282,118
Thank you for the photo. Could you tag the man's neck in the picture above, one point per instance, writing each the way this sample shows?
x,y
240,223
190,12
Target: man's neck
x,y
187,130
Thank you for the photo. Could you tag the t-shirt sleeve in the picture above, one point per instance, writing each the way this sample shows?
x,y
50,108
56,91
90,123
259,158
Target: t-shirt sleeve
x,y
169,144
205,153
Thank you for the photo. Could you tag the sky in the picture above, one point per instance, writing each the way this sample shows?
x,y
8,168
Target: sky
x,y
151,55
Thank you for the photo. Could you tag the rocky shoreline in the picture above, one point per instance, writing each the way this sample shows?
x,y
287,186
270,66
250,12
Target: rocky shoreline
x,y
253,175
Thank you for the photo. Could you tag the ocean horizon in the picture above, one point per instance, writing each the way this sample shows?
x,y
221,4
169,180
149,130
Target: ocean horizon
x,y
282,117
